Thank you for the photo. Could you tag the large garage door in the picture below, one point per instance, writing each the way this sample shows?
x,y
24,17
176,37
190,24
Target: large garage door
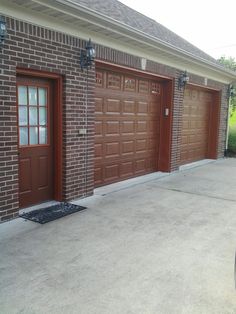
x,y
196,123
127,126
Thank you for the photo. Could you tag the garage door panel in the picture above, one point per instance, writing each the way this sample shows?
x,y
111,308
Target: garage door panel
x,y
98,105
142,107
113,106
143,86
112,149
98,128
129,83
194,95
127,127
151,164
114,81
141,126
112,127
186,111
98,177
129,107
98,150
195,125
127,169
185,125
141,154
152,143
141,145
184,140
184,155
127,147
140,165
111,172
152,126
153,108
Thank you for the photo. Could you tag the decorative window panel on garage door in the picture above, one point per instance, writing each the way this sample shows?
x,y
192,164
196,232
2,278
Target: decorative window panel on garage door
x,y
127,126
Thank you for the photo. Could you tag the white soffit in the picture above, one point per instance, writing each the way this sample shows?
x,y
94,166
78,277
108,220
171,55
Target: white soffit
x,y
80,23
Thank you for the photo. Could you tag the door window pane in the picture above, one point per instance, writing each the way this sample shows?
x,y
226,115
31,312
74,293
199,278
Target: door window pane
x,y
42,135
33,96
33,135
22,95
42,96
23,133
42,116
23,115
33,116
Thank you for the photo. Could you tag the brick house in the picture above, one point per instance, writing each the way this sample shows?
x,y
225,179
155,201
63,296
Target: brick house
x,y
65,131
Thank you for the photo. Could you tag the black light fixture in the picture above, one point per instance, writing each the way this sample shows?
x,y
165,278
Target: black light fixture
x,y
3,30
183,80
87,56
231,91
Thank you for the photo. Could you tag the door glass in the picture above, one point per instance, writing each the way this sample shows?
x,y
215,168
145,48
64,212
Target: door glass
x,y
42,96
32,115
33,135
23,115
42,135
23,134
22,95
33,96
42,116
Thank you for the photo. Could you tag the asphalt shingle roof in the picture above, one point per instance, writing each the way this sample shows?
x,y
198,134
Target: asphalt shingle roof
x,y
122,13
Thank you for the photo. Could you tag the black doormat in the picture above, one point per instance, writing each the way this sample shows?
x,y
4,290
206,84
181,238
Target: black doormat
x,y
51,213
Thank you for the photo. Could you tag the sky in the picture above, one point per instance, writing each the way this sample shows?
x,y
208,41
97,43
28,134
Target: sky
x,y
210,25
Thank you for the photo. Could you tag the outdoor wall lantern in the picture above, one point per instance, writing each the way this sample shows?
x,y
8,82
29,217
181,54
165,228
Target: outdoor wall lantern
x,y
3,30
87,56
231,91
183,80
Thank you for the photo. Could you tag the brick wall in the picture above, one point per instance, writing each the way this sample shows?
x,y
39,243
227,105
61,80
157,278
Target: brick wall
x,y
32,47
37,48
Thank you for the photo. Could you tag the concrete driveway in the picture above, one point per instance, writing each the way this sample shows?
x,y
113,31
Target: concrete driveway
x,y
164,246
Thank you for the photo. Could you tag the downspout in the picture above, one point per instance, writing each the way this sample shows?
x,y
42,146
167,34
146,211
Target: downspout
x,y
227,127
228,115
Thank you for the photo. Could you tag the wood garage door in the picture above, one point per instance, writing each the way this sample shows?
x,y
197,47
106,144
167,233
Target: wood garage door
x,y
196,122
127,126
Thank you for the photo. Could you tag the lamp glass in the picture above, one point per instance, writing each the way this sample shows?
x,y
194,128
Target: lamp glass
x,y
3,30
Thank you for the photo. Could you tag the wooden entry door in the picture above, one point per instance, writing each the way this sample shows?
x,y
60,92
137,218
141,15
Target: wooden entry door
x,y
35,141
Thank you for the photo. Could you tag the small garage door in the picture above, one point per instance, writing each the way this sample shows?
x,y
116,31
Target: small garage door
x,y
196,123
127,126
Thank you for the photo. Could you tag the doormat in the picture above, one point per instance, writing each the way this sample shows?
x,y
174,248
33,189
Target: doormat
x,y
51,213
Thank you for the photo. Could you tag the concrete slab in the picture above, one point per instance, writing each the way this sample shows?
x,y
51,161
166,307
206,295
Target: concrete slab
x,y
213,180
129,183
163,246
196,164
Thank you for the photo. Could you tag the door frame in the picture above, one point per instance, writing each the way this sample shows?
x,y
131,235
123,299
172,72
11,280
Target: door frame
x,y
57,124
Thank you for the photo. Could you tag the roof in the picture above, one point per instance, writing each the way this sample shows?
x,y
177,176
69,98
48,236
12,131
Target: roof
x,y
124,14
112,24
